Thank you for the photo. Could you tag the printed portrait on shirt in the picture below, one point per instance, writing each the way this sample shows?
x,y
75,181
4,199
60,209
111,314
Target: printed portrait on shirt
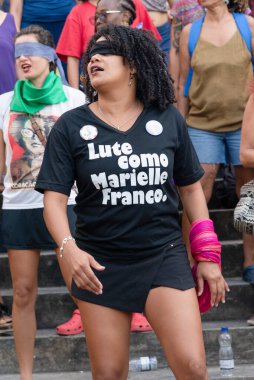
x,y
27,150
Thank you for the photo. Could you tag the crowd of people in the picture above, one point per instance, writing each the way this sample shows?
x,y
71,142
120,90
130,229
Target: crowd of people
x,y
150,97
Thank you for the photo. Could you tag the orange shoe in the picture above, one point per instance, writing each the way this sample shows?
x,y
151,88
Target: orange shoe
x,y
140,323
73,326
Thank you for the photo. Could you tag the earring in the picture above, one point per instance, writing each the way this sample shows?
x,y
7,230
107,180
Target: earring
x,y
226,2
131,79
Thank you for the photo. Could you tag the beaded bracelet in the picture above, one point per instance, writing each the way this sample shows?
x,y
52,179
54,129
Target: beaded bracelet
x,y
64,242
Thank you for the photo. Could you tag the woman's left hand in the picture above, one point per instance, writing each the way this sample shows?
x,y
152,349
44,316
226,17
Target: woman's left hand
x,y
210,272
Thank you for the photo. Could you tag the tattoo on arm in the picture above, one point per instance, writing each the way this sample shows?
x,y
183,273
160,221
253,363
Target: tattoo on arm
x,y
177,28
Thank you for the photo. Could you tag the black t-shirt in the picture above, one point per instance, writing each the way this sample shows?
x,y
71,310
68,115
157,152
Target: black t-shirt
x,y
127,202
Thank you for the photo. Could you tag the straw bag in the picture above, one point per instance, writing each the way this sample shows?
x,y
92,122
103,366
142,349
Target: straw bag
x,y
244,211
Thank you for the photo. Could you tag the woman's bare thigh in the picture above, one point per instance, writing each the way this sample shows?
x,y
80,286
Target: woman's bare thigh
x,y
175,318
107,333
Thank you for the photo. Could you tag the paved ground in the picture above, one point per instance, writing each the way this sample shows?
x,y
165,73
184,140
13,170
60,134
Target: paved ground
x,y
241,373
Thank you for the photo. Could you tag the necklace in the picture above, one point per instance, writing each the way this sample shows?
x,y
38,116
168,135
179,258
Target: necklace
x,y
119,127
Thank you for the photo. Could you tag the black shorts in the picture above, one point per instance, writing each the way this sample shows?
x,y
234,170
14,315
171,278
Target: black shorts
x,y
127,281
26,229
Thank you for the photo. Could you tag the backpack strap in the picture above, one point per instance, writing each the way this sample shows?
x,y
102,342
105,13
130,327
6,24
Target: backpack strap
x,y
244,29
194,34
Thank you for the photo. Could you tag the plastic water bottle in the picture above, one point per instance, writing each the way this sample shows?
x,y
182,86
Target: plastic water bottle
x,y
144,363
226,354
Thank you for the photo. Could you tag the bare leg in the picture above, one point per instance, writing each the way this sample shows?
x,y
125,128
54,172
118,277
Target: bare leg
x,y
175,318
207,182
24,271
244,175
107,334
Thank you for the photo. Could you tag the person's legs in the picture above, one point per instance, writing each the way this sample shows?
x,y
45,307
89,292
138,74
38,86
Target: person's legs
x,y
175,318
107,334
24,271
244,175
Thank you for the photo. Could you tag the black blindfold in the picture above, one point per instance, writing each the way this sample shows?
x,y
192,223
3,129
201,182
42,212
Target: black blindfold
x,y
103,48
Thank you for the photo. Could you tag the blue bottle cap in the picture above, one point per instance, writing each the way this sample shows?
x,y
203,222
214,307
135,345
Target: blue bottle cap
x,y
224,329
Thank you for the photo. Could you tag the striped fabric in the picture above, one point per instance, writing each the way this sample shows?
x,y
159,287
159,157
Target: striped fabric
x,y
186,11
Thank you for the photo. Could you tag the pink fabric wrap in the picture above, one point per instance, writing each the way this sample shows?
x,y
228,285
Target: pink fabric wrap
x,y
204,247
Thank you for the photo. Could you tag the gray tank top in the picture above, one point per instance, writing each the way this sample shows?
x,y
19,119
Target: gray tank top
x,y
156,5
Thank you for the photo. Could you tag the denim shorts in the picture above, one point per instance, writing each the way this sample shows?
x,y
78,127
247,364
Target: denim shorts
x,y
216,147
164,44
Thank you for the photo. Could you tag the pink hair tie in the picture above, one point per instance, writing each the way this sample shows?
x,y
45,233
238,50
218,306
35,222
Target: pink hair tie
x,y
204,247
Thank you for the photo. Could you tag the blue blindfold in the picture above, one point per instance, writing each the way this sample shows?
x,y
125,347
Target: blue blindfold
x,y
37,49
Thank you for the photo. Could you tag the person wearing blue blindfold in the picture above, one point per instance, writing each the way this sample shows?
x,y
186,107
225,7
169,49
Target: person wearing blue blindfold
x,y
27,116
124,149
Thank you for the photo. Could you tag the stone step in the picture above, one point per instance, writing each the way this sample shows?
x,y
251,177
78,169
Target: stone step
x,y
54,353
243,372
223,224
50,275
54,304
232,258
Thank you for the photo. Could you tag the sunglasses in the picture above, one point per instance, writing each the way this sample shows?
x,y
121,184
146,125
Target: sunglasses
x,y
103,15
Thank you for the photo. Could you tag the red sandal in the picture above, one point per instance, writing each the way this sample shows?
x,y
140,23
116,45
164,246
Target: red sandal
x,y
73,326
140,323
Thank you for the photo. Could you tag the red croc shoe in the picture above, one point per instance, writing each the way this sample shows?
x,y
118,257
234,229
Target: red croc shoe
x,y
72,327
140,323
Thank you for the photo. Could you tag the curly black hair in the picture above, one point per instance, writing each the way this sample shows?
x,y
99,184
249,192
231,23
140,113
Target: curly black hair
x,y
140,50
126,5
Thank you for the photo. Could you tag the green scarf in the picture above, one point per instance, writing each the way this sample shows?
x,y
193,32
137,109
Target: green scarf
x,y
30,99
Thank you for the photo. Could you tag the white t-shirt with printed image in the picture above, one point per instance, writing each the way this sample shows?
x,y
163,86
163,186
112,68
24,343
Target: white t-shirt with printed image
x,y
24,152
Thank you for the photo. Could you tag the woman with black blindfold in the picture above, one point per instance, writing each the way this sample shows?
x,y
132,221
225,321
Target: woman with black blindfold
x,y
124,149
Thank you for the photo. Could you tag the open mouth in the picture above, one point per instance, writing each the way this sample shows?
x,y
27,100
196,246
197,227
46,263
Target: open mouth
x,y
95,69
25,67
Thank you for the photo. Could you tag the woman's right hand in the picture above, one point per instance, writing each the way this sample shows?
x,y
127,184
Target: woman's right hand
x,y
82,264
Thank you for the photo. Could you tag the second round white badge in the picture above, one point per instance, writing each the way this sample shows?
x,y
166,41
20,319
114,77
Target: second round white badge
x,y
154,127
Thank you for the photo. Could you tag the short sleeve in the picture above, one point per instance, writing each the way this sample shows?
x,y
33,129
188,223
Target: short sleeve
x,y
1,122
57,172
187,169
70,41
5,101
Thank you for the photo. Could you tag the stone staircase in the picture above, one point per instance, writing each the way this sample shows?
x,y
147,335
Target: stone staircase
x,y
63,354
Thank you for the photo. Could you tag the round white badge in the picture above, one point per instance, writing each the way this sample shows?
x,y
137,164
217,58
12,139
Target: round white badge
x,y
154,127
88,132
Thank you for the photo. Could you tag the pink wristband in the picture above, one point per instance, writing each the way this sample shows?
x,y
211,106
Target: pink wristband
x,y
204,247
